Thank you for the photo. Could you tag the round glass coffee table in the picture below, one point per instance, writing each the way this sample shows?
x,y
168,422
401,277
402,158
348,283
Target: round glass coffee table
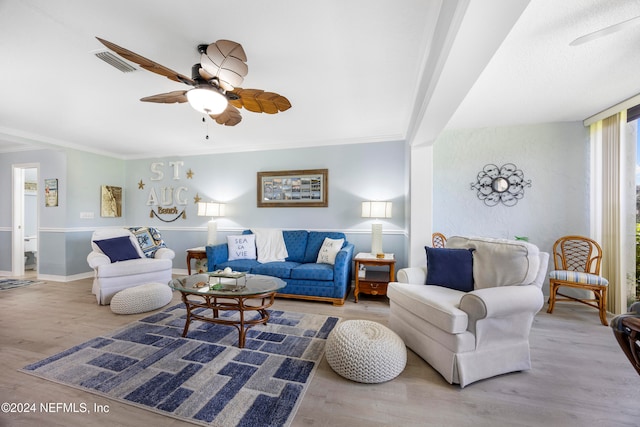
x,y
245,293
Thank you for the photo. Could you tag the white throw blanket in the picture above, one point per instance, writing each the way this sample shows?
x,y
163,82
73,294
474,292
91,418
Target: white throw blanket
x,y
270,244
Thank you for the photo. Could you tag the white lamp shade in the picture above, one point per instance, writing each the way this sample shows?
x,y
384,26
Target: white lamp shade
x,y
372,209
207,100
210,209
376,209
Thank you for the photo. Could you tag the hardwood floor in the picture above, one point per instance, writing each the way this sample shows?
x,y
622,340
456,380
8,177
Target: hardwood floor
x,y
580,377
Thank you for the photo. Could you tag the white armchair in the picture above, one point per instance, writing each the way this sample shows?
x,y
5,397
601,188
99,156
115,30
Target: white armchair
x,y
469,336
111,277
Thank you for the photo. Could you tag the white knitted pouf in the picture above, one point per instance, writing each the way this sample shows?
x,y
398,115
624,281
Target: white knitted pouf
x,y
365,351
142,298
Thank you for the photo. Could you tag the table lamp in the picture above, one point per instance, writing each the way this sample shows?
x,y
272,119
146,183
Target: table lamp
x,y
213,210
376,210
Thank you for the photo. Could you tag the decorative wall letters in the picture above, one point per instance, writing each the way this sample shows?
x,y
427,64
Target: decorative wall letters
x,y
167,199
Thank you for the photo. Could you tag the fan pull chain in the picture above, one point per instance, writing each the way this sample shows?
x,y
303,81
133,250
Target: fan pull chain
x,y
207,125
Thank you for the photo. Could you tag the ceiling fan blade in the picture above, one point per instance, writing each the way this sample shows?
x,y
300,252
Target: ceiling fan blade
x,y
225,60
177,96
147,64
204,74
606,31
229,117
259,101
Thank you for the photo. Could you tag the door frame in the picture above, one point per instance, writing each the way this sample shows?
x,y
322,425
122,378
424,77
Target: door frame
x,y
18,220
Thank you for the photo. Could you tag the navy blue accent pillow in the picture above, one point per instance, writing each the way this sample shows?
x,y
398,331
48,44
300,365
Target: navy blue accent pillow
x,y
451,268
118,248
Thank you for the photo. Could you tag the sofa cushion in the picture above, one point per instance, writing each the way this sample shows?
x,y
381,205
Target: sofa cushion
x,y
281,269
118,248
312,272
241,247
237,265
435,304
109,233
500,262
329,250
149,239
451,268
315,241
578,277
296,242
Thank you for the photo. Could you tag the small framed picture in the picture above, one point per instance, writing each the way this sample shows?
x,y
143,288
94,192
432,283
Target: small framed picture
x,y
51,192
111,201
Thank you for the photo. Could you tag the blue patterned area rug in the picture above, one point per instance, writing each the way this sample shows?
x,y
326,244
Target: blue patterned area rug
x,y
15,283
203,378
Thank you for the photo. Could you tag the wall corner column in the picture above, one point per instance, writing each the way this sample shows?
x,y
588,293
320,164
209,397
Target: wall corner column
x,y
421,203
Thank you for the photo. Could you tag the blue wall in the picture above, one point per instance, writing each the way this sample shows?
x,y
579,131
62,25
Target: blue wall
x,y
554,156
358,172
52,164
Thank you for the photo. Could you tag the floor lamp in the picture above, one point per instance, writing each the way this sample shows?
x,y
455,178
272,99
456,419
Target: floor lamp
x,y
213,210
376,210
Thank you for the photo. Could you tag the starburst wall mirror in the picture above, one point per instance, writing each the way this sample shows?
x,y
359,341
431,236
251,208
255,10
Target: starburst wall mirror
x,y
504,184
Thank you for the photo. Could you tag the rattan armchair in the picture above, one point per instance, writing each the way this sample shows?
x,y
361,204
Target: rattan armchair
x,y
577,265
438,240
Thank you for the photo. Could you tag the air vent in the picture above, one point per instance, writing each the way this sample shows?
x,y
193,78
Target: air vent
x,y
114,61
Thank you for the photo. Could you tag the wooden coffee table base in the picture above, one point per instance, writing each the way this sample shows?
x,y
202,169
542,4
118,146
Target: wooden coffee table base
x,y
228,303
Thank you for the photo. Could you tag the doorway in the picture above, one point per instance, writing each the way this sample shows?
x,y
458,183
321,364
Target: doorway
x,y
25,246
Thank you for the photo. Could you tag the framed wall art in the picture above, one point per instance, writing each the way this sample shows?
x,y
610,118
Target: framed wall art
x,y
295,188
110,201
51,192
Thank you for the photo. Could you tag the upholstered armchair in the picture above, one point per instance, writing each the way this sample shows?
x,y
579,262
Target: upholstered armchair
x,y
469,312
122,258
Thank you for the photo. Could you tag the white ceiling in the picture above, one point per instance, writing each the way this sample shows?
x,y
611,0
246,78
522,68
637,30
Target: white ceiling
x,y
355,71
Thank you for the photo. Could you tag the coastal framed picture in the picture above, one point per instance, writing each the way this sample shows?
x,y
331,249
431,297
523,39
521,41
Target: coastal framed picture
x,y
110,201
51,192
294,188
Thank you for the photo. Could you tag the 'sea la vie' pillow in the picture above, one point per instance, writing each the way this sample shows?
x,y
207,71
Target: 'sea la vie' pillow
x,y
329,250
242,246
118,248
451,268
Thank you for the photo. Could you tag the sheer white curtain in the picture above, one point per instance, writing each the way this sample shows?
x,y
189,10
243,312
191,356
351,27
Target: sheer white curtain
x,y
613,205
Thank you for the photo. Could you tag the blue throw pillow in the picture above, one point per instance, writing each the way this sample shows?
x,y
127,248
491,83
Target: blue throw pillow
x,y
118,248
451,268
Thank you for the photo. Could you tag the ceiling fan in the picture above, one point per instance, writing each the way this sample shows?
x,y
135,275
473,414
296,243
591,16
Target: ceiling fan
x,y
214,82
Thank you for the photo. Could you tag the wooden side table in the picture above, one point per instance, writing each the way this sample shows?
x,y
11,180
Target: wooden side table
x,y
195,253
375,281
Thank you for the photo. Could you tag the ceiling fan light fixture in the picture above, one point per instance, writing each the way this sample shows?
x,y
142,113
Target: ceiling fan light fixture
x,y
207,100
214,91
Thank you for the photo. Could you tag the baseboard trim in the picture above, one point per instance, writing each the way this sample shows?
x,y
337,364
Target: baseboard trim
x,y
65,279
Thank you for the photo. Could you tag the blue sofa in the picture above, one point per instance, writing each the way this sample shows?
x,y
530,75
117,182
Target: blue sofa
x,y
305,278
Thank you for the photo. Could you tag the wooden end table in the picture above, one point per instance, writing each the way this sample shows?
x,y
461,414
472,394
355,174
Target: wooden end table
x,y
195,253
375,281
